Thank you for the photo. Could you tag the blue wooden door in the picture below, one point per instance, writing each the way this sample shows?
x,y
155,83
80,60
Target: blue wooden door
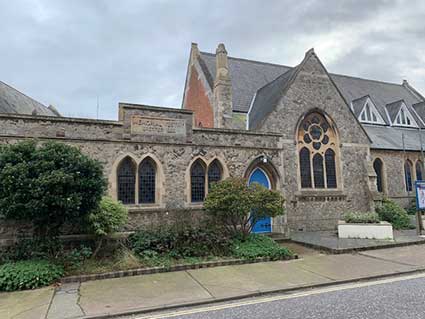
x,y
263,225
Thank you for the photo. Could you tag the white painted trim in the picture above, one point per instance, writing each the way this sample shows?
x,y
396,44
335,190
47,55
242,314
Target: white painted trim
x,y
408,114
249,111
420,119
373,110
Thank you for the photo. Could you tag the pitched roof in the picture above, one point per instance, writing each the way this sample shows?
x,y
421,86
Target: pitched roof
x,y
248,76
13,101
393,109
391,137
267,97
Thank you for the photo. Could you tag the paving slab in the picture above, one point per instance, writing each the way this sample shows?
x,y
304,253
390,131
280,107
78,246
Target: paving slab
x,y
230,281
124,294
412,255
351,266
29,304
65,302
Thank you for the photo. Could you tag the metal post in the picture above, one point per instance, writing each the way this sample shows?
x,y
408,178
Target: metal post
x,y
404,166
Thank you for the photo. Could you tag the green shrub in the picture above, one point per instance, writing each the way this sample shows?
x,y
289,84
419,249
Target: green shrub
x,y
48,185
391,212
236,206
255,246
107,219
75,258
33,248
178,241
361,218
29,274
411,210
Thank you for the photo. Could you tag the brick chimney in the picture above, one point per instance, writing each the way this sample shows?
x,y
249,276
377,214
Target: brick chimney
x,y
222,90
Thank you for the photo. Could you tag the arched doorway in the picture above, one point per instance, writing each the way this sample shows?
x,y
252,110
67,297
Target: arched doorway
x,y
263,225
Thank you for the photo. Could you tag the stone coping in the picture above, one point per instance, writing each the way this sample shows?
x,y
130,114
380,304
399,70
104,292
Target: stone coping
x,y
381,223
179,267
153,108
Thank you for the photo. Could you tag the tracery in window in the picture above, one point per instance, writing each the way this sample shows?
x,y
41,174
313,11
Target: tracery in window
x,y
317,152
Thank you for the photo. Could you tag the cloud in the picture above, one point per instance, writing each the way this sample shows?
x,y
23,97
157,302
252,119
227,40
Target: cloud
x,y
69,53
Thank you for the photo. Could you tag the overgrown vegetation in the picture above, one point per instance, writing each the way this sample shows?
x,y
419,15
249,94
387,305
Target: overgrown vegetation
x,y
48,185
391,212
28,274
361,218
256,246
235,206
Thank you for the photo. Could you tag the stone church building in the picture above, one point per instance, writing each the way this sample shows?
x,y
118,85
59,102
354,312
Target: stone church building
x,y
330,143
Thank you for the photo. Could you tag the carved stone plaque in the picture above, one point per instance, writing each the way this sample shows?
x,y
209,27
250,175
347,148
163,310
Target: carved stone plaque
x,y
158,126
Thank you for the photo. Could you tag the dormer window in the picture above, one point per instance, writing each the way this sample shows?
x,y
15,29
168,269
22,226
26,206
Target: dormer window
x,y
404,118
369,113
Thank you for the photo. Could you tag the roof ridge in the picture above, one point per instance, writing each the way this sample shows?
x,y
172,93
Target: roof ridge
x,y
291,67
249,60
13,88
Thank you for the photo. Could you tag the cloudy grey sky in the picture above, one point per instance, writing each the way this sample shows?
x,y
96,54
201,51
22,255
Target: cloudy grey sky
x,y
67,53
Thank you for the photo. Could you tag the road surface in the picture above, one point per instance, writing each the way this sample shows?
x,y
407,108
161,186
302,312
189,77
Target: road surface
x,y
399,297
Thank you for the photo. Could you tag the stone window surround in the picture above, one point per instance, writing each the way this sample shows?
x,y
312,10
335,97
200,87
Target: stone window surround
x,y
159,180
206,163
336,148
413,163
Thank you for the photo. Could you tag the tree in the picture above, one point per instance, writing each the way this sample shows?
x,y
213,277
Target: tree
x,y
107,219
48,185
237,206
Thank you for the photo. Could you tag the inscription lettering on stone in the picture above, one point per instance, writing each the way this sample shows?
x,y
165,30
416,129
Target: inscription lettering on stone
x,y
157,126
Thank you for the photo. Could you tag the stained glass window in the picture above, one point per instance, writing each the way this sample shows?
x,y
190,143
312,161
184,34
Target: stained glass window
x,y
377,166
305,168
214,173
408,175
330,168
317,143
126,181
197,182
319,181
147,179
419,168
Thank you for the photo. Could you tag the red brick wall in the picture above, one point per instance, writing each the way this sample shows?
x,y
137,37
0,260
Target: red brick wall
x,y
198,102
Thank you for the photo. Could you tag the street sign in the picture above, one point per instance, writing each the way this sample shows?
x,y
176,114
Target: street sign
x,y
420,205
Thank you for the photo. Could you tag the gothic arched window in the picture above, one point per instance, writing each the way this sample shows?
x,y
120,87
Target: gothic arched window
x,y
147,181
197,181
214,172
126,180
317,147
408,175
378,167
419,170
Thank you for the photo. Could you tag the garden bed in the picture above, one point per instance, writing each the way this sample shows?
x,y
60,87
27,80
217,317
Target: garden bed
x,y
175,267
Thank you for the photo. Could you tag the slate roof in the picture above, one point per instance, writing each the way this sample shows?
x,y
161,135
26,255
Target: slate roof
x,y
248,76
393,109
13,101
262,80
391,137
358,104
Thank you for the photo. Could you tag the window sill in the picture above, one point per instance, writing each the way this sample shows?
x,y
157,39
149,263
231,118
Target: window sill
x,y
137,207
320,195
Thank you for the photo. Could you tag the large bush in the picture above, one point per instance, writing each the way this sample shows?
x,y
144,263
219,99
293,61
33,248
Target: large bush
x,y
48,185
107,219
391,212
255,246
179,241
237,206
28,274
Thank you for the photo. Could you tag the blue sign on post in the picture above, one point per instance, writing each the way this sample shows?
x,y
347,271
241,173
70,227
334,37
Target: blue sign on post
x,y
420,195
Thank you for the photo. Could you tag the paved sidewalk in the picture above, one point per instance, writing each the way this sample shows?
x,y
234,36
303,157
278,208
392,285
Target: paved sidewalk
x,y
123,295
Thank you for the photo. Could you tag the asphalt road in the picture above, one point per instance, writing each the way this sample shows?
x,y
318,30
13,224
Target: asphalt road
x,y
401,298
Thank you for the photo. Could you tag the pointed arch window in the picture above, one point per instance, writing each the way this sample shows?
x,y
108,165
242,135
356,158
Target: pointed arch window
x,y
378,167
126,181
214,173
197,181
408,175
317,147
147,181
419,170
